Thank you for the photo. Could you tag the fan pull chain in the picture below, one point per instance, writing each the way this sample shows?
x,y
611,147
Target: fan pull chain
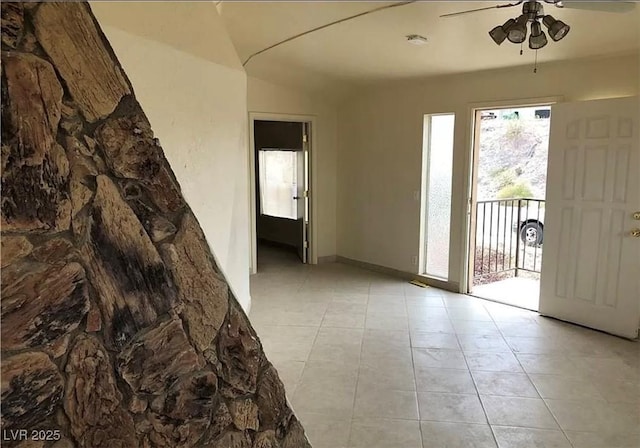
x,y
535,64
520,48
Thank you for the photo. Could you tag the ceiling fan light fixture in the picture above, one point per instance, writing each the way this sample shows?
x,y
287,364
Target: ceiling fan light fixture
x,y
499,33
557,28
518,31
537,39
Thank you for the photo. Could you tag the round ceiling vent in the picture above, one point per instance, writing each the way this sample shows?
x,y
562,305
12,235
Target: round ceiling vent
x,y
416,39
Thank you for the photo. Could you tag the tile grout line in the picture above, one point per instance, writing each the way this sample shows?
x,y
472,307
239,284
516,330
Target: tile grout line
x,y
355,392
534,386
413,368
491,428
475,385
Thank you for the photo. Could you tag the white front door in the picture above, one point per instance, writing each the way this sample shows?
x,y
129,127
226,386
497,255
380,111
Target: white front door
x,y
591,267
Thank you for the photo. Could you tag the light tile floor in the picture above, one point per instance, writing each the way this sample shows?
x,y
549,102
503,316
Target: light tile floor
x,y
370,361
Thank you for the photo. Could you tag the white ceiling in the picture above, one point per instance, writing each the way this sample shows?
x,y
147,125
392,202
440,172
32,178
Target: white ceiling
x,y
374,48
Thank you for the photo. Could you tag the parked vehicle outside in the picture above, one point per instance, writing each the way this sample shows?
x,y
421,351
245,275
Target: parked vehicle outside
x,y
493,217
530,229
531,232
488,116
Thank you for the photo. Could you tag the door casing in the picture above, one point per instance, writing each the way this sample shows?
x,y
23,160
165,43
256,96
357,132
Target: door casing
x,y
312,139
468,207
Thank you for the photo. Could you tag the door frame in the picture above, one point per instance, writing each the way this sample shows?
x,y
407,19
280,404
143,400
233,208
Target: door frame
x,y
312,257
471,175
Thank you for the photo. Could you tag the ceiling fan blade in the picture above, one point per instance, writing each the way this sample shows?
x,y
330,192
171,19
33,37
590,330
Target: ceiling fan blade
x,y
480,9
610,6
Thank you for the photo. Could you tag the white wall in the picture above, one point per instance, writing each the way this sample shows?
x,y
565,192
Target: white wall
x,y
192,87
269,98
380,148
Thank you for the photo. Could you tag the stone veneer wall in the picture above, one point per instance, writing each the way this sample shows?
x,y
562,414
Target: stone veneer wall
x,y
118,329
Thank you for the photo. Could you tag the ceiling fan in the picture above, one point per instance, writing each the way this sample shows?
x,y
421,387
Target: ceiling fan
x,y
515,30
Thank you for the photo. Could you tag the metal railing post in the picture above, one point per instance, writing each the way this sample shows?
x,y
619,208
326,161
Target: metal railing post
x,y
493,265
518,238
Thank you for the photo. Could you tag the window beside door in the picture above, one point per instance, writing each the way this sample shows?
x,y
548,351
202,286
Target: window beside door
x,y
436,189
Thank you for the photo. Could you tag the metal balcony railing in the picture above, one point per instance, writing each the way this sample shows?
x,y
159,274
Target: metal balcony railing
x,y
509,235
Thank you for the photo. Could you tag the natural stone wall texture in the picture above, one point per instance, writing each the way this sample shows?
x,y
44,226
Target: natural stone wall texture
x,y
118,329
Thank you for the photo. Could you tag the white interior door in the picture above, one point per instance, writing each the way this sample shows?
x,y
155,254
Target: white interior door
x,y
302,194
299,198
591,267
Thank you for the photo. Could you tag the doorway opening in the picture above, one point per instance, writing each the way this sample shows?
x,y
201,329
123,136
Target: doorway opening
x,y
506,238
280,175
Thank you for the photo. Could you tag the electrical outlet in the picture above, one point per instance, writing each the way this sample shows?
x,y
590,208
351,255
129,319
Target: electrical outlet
x,y
414,260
